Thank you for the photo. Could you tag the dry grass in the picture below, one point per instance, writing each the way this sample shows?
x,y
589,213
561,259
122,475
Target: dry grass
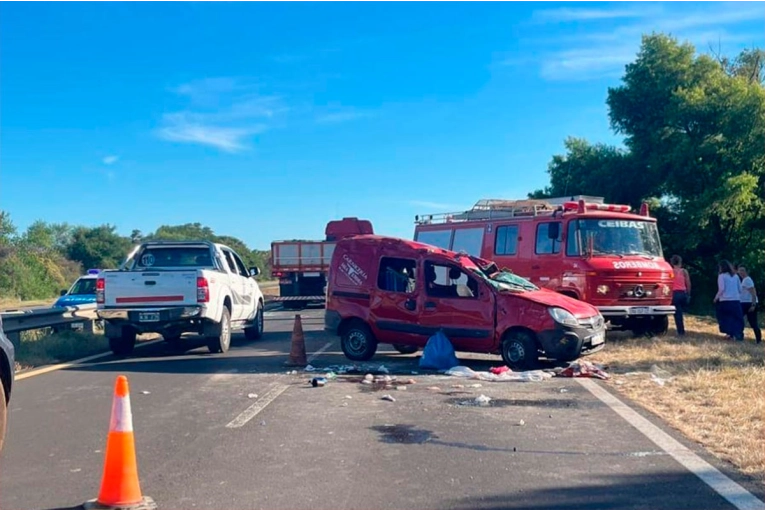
x,y
12,304
42,347
713,392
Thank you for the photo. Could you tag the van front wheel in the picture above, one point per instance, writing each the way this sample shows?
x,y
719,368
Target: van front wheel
x,y
405,349
519,351
358,342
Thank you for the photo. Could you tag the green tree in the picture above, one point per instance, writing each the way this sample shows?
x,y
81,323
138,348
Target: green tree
x,y
98,247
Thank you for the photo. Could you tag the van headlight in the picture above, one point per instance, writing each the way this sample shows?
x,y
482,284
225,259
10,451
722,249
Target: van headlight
x,y
562,316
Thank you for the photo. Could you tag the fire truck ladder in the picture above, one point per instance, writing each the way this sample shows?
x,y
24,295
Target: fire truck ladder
x,y
491,209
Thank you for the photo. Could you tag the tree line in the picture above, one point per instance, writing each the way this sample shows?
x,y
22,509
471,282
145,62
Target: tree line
x,y
694,149
48,257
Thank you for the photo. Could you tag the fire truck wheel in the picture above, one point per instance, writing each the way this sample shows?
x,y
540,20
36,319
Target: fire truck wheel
x,y
406,349
519,350
358,342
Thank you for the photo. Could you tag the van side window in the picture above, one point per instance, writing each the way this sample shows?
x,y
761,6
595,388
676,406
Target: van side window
x,y
449,281
572,240
506,242
545,245
397,275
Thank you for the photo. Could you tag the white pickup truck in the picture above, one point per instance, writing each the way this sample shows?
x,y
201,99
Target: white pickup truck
x,y
175,287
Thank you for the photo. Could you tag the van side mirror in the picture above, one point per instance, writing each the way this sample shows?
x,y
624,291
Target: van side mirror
x,y
553,230
254,271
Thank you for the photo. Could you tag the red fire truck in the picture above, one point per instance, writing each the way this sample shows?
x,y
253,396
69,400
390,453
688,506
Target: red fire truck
x,y
579,246
302,266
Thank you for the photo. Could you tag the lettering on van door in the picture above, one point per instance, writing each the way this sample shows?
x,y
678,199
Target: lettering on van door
x,y
352,270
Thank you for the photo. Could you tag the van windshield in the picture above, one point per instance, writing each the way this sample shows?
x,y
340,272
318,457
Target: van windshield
x,y
504,280
602,237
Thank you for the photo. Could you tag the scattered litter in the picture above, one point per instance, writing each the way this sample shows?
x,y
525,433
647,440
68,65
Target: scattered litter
x,y
521,423
330,375
476,385
563,390
438,353
584,369
482,400
252,395
348,397
76,470
263,424
660,376
499,370
309,368
507,375
292,372
388,398
415,373
366,381
434,388
318,381
401,388
383,369
369,377
144,392
458,386
410,381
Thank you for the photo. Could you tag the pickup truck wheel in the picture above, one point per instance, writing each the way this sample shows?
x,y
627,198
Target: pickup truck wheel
x,y
222,341
123,345
358,342
256,331
519,351
406,349
3,414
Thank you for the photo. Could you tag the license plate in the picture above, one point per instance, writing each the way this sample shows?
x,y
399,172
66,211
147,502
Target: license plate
x,y
638,310
148,317
599,339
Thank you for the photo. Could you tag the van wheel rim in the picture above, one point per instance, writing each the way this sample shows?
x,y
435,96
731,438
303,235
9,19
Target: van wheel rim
x,y
515,352
356,341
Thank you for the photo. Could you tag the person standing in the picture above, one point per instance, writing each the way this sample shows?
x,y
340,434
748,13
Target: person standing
x,y
730,319
749,302
681,291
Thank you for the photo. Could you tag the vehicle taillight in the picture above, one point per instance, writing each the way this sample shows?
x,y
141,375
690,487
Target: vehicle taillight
x,y
203,290
100,288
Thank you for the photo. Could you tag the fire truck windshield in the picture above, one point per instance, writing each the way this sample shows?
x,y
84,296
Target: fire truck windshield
x,y
602,237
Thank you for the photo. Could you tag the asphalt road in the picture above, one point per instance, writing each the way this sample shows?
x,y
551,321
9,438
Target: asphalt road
x,y
204,440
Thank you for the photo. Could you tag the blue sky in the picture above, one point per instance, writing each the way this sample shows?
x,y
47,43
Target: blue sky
x,y
266,120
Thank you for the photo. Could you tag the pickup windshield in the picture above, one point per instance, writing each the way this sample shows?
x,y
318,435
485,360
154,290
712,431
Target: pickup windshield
x,y
176,256
603,237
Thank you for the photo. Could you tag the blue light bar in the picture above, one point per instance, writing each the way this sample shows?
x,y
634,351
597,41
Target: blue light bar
x,y
94,271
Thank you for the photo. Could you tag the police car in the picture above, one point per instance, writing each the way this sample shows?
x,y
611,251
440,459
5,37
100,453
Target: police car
x,y
82,292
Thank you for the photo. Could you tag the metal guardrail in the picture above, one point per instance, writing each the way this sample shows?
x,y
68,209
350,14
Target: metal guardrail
x,y
16,321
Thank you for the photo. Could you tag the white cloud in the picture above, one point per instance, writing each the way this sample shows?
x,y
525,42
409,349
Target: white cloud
x,y
567,14
110,160
604,52
228,113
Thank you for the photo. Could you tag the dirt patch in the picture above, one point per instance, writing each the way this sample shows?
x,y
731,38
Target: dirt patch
x,y
710,389
403,434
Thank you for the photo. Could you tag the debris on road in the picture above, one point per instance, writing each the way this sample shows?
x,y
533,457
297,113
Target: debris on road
x,y
584,369
318,382
438,353
144,392
482,400
388,398
660,376
252,395
309,368
503,376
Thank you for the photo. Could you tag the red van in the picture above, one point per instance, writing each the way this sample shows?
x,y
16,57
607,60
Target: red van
x,y
400,292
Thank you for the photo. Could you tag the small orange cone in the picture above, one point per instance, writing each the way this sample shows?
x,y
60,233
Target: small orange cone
x,y
297,351
119,485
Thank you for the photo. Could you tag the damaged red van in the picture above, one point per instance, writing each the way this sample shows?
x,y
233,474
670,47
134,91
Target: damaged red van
x,y
400,292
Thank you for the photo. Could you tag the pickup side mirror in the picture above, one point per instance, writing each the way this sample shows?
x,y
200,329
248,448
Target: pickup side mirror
x,y
63,292
254,271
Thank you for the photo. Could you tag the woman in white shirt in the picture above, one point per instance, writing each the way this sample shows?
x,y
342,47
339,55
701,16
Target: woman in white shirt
x,y
749,302
730,319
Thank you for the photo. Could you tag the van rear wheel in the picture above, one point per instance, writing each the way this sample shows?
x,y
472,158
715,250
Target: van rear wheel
x,y
405,349
519,351
358,342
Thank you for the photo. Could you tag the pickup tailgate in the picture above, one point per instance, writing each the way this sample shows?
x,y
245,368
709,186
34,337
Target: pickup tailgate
x,y
150,288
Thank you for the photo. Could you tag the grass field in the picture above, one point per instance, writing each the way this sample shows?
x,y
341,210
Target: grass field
x,y
710,389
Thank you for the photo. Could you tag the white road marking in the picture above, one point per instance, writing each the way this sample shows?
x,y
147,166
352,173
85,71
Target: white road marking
x,y
257,407
724,486
60,366
315,354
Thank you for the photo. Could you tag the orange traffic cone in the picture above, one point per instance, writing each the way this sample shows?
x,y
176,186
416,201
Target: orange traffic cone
x,y
119,485
297,351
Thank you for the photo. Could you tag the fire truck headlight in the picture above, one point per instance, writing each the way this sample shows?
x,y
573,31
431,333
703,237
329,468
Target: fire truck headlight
x,y
603,289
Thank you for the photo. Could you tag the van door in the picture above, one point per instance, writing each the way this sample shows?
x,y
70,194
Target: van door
x,y
460,304
249,306
394,306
